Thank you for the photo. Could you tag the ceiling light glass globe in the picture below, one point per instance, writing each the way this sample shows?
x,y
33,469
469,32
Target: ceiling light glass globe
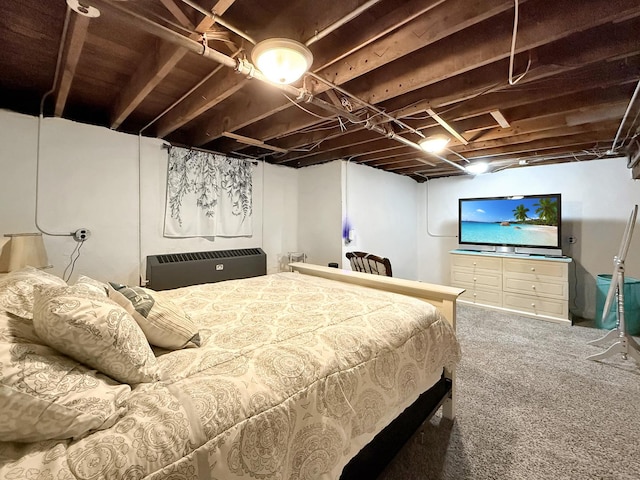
x,y
281,60
434,143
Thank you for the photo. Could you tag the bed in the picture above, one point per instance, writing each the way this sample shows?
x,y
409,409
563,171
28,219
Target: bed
x,y
284,376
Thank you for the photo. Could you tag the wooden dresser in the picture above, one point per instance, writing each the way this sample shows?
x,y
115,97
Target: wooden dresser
x,y
534,286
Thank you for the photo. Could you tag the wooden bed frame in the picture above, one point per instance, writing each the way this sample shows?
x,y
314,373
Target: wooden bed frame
x,y
374,457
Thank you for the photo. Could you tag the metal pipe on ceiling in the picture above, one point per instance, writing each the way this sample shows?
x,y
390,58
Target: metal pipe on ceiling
x,y
366,104
246,68
337,24
219,21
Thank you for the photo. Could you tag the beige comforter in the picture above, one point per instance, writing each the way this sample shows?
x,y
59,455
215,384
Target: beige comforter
x,y
294,376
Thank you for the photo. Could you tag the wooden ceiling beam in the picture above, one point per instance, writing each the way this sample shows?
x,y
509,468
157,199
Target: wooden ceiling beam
x,y
482,45
379,145
590,81
355,40
220,86
178,14
619,44
529,137
394,159
552,122
253,142
532,101
574,101
539,158
73,47
446,19
439,23
353,139
600,44
524,131
593,137
155,67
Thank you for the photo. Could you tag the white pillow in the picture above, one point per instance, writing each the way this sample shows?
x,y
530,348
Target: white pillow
x,y
95,331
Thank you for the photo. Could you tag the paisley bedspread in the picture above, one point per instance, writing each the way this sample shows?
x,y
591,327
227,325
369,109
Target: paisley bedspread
x,y
295,374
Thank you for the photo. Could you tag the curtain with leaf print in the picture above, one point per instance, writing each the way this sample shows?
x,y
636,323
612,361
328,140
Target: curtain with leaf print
x,y
208,195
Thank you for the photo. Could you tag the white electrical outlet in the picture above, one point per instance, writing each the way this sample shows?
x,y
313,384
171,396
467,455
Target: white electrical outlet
x,y
81,234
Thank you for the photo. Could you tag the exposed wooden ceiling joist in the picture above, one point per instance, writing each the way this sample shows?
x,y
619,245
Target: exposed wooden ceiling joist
x,y
390,65
79,25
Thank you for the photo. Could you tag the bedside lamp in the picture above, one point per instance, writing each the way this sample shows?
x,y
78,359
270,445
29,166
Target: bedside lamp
x,y
22,249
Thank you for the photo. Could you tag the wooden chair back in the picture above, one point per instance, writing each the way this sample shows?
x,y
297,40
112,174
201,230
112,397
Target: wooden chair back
x,y
369,263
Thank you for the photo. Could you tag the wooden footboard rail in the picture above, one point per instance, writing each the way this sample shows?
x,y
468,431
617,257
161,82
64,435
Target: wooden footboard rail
x,y
441,296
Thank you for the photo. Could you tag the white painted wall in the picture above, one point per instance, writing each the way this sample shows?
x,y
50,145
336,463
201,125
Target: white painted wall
x,y
320,212
597,198
382,208
89,178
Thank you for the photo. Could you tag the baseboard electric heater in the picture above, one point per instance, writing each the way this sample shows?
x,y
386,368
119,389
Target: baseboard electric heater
x,y
174,270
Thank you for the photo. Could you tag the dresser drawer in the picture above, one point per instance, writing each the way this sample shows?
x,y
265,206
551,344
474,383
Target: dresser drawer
x,y
536,305
478,279
477,262
482,297
536,268
534,287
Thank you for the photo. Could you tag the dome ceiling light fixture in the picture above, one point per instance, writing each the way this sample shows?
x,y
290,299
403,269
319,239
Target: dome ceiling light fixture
x,y
434,143
281,60
477,168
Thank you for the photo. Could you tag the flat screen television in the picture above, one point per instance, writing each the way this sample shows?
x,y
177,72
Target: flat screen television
x,y
512,224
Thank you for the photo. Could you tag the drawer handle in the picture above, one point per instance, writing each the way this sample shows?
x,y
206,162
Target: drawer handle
x,y
533,287
533,269
474,279
533,305
474,264
475,295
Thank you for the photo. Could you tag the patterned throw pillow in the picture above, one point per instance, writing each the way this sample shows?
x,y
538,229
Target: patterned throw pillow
x,y
164,323
16,289
92,285
46,395
94,330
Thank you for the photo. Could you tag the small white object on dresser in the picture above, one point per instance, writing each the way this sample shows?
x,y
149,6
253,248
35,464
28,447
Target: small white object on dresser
x,y
533,286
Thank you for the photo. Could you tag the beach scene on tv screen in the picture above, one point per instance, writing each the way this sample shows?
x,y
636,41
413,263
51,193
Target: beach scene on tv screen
x,y
510,221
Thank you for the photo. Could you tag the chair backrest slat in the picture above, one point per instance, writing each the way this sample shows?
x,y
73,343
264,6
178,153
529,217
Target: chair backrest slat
x,y
369,263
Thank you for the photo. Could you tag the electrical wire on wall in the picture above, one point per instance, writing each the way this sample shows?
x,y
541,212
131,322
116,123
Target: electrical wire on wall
x,y
143,281
40,118
72,261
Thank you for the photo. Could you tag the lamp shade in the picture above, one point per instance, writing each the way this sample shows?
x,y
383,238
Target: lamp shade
x,y
22,249
281,60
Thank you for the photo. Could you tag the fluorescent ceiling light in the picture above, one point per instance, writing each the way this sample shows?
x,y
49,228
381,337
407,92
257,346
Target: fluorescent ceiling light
x,y
434,143
477,168
281,60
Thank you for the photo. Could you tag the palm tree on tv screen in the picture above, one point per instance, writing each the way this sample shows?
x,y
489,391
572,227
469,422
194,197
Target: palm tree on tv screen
x,y
547,210
520,213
